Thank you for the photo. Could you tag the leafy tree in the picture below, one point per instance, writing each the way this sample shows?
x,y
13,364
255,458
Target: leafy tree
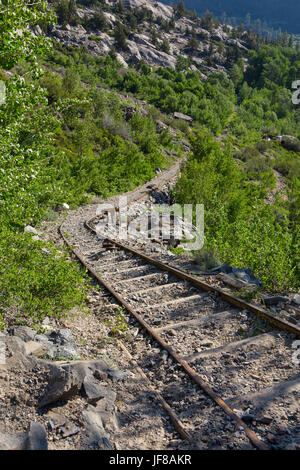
x,y
236,74
71,82
36,284
16,39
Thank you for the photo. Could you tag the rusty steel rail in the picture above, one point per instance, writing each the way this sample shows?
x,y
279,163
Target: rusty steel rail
x,y
259,311
197,379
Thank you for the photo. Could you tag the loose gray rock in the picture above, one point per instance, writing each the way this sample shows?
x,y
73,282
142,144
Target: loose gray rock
x,y
96,435
15,345
29,229
13,441
93,390
37,437
69,430
117,375
33,348
48,345
56,420
296,299
172,332
65,353
63,336
206,342
105,407
66,346
24,332
66,380
64,383
43,339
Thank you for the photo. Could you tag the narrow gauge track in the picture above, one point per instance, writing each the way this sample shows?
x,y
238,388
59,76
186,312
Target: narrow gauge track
x,y
174,301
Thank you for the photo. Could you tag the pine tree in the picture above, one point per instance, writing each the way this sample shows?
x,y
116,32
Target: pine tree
x,y
165,46
193,42
194,15
98,21
121,8
120,36
67,12
180,9
132,22
241,29
154,36
112,53
207,21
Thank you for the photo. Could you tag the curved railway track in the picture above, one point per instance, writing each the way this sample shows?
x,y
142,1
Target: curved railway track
x,y
167,303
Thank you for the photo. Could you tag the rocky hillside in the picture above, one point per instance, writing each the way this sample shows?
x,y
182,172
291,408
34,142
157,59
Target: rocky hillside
x,y
148,31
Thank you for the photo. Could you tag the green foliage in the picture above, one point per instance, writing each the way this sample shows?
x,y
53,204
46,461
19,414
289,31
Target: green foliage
x,y
265,96
193,42
209,103
16,39
165,46
66,11
36,280
65,134
239,228
118,325
120,36
97,21
33,283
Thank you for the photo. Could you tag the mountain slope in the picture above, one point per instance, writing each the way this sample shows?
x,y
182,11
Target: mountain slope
x,y
147,31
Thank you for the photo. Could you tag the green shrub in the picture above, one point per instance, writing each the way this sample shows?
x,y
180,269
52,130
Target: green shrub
x,y
240,229
36,280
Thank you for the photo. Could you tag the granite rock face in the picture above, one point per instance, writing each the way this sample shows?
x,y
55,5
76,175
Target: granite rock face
x,y
140,43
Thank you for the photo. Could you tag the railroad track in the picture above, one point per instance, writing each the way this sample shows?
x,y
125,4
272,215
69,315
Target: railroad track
x,y
174,308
